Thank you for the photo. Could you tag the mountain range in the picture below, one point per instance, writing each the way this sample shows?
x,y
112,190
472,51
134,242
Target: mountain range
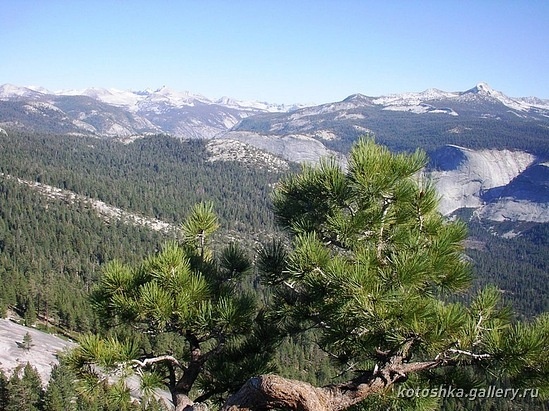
x,y
489,152
117,113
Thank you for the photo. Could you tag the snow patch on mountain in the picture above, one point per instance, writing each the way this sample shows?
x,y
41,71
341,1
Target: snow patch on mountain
x,y
43,109
485,91
111,96
258,105
417,102
534,102
9,91
45,106
151,99
429,100
419,108
413,99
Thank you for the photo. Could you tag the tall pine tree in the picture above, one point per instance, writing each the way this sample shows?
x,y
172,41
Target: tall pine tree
x,y
25,390
375,272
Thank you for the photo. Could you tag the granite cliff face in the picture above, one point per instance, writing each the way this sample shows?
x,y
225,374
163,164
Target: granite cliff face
x,y
499,184
525,198
42,354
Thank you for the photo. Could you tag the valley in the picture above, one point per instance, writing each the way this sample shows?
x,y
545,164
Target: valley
x,y
101,175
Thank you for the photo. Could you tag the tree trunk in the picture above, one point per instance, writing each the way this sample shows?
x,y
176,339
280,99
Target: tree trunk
x,y
268,392
180,392
182,402
271,391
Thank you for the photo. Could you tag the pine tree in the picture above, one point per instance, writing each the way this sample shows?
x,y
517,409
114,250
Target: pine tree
x,y
188,296
30,312
60,394
25,390
376,272
27,343
4,391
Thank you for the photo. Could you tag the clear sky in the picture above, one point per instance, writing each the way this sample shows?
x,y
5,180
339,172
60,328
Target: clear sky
x,y
276,50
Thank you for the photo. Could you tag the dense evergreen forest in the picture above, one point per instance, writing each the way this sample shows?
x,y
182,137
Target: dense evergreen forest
x,y
61,243
518,265
158,176
51,246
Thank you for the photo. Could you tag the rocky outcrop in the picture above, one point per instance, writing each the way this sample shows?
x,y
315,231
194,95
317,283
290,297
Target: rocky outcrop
x,y
293,147
500,184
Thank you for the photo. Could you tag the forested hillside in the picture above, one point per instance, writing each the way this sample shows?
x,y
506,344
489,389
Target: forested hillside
x,y
158,176
518,265
49,246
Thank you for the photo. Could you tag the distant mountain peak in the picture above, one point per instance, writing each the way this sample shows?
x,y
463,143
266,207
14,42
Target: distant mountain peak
x,y
483,88
435,93
11,91
111,112
357,98
484,91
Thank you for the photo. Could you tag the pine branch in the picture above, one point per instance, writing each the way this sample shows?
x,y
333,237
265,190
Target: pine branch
x,y
469,354
387,201
154,360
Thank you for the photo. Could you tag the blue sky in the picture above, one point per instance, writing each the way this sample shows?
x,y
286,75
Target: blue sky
x,y
277,51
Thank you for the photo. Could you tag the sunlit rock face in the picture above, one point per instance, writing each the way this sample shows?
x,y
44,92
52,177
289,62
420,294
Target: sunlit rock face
x,y
501,184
